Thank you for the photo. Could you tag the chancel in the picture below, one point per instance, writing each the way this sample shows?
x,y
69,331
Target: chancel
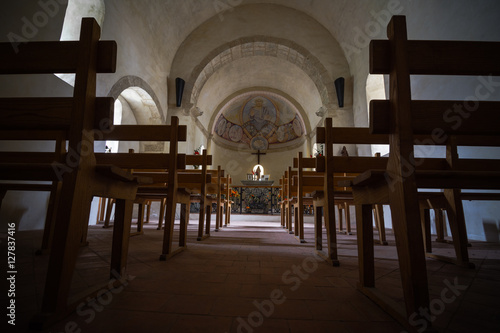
x,y
181,165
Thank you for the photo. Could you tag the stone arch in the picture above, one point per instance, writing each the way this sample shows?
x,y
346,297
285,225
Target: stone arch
x,y
256,90
134,81
262,46
137,104
284,95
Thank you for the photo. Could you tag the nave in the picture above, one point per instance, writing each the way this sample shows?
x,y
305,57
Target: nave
x,y
214,285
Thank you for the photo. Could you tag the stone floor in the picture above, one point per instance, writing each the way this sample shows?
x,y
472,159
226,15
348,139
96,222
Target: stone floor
x,y
254,277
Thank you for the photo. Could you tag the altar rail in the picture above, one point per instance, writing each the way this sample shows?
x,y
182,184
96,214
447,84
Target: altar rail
x,y
255,199
250,199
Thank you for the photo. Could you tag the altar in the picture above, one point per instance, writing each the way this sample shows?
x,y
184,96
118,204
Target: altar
x,y
257,182
259,197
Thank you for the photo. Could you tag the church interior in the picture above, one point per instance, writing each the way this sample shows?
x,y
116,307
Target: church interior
x,y
250,165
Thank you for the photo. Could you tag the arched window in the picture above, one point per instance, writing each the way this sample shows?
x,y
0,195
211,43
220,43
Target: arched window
x,y
76,10
113,146
375,89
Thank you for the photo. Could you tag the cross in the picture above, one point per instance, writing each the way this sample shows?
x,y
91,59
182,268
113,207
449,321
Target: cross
x,y
258,153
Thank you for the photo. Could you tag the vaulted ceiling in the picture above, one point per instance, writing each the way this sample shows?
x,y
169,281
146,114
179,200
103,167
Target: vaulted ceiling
x,y
285,47
292,48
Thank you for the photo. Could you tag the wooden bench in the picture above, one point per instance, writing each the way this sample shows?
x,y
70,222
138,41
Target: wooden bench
x,y
398,183
310,184
201,192
205,187
185,182
227,181
154,166
353,165
290,193
78,119
282,200
333,169
219,184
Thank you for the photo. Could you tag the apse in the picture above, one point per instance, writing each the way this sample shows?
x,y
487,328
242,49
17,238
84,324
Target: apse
x,y
258,120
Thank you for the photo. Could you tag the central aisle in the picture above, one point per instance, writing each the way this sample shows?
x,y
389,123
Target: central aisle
x,y
249,277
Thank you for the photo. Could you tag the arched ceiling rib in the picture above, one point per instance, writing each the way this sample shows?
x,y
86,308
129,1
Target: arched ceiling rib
x,y
274,37
261,46
286,77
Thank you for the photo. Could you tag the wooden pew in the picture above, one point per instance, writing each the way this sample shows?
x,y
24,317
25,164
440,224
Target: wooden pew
x,y
217,180
153,169
225,216
399,181
281,203
78,119
332,169
290,193
213,194
310,183
134,161
201,192
301,190
353,165
227,201
186,183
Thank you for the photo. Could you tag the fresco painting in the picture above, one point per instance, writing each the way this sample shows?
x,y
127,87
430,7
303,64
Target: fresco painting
x,y
259,121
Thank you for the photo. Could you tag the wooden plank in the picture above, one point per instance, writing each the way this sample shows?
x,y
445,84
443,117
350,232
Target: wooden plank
x,y
328,188
121,236
403,197
172,191
42,134
26,187
198,160
455,213
440,57
193,179
480,196
29,171
17,157
307,162
52,57
76,193
49,113
138,160
142,133
313,181
351,135
441,119
299,229
366,253
458,179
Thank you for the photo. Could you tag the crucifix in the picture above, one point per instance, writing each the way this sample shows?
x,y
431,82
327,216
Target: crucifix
x,y
258,153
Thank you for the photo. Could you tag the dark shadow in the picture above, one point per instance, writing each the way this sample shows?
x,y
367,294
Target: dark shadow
x,y
14,214
491,232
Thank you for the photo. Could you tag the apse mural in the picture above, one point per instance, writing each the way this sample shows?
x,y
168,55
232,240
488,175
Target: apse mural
x,y
259,120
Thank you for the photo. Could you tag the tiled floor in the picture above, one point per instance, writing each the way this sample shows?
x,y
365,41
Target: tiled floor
x,y
254,277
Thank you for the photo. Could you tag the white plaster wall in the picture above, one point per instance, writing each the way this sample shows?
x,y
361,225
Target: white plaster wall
x,y
262,71
23,19
458,20
240,163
